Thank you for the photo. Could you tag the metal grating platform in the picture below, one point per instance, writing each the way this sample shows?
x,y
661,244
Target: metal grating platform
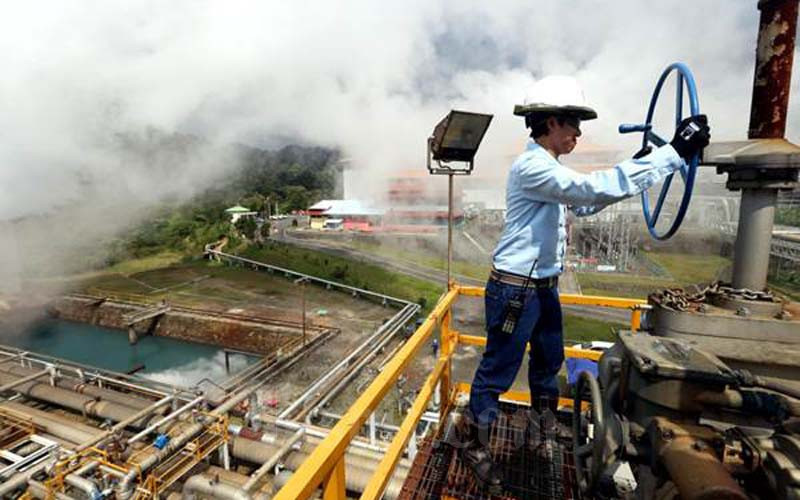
x,y
534,466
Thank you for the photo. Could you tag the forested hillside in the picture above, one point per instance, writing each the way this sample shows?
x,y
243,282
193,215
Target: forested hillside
x,y
290,178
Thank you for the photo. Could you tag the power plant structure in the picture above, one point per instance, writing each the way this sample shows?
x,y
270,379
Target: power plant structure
x,y
698,398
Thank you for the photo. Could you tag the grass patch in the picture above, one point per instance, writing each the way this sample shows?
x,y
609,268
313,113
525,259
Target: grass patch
x,y
468,269
621,285
580,329
350,272
784,287
684,269
689,269
157,261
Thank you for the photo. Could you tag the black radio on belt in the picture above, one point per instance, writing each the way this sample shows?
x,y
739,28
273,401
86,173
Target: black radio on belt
x,y
513,308
511,314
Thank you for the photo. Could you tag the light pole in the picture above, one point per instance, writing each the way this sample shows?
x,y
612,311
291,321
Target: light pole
x,y
302,282
455,139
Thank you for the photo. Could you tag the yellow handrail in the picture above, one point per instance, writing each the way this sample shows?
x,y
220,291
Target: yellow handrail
x,y
325,466
330,452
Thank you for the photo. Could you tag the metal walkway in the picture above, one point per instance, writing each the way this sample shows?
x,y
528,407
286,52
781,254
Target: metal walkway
x,y
151,312
534,467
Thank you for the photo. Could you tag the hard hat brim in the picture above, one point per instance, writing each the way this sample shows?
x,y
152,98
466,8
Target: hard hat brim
x,y
583,112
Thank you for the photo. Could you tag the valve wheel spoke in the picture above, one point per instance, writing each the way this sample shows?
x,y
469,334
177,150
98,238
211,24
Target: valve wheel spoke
x,y
684,82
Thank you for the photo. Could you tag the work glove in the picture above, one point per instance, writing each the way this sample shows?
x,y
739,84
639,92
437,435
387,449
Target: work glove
x,y
691,136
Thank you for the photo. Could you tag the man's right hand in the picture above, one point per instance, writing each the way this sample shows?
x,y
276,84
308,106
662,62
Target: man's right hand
x,y
691,136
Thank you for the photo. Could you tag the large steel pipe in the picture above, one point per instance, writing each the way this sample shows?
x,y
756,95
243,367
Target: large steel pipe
x,y
754,238
204,485
772,80
359,469
54,424
771,87
20,479
76,385
87,486
126,487
78,402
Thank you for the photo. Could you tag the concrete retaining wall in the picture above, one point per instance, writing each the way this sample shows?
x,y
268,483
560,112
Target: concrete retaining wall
x,y
192,326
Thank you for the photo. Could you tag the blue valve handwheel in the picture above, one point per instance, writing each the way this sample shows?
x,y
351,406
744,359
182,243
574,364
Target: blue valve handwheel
x,y
688,174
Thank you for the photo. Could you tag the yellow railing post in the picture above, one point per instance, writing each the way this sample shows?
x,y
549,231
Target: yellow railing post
x,y
636,318
320,464
447,342
333,487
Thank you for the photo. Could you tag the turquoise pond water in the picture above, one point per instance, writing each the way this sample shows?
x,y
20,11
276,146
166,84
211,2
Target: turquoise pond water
x,y
166,360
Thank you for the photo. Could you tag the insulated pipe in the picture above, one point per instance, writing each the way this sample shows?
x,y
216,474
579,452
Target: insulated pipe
x,y
52,423
39,490
76,385
20,479
256,476
378,425
357,445
293,426
68,399
216,489
126,489
87,486
20,381
352,372
172,416
359,469
128,421
343,363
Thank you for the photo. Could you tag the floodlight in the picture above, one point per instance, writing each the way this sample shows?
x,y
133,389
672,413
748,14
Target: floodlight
x,y
456,139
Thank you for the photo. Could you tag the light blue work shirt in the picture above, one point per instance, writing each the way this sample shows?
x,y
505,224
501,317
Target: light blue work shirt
x,y
539,191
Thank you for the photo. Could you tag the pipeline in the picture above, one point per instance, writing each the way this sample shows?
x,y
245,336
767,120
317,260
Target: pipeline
x,y
39,490
359,468
78,402
52,423
20,479
81,387
87,486
126,489
399,318
273,460
216,489
354,371
172,416
123,424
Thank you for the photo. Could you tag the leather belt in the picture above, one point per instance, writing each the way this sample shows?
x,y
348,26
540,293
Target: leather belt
x,y
518,280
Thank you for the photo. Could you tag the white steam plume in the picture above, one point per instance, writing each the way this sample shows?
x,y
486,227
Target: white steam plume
x,y
369,77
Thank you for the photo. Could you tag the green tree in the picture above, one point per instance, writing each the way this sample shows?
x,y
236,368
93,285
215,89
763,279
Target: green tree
x,y
247,227
297,198
788,216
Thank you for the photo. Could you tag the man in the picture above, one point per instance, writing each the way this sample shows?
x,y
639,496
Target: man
x,y
522,305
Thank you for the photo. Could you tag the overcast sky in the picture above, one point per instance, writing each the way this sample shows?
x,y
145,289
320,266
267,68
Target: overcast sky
x,y
369,77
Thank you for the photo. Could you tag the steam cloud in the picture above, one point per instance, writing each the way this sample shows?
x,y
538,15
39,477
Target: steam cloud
x,y
369,77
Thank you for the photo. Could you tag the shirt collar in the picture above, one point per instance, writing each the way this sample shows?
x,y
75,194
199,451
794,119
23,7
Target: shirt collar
x,y
532,145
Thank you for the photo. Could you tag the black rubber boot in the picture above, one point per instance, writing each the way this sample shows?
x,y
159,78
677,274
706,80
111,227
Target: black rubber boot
x,y
478,458
547,408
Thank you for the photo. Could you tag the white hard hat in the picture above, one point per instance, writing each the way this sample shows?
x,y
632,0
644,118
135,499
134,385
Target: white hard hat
x,y
557,95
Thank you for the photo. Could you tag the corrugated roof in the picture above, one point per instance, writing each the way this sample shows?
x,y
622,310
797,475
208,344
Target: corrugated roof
x,y
345,207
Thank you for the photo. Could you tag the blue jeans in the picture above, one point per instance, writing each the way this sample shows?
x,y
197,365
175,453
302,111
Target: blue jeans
x,y
540,325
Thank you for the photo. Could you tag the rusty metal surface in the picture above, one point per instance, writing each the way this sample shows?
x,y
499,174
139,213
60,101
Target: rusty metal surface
x,y
773,73
531,469
689,453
